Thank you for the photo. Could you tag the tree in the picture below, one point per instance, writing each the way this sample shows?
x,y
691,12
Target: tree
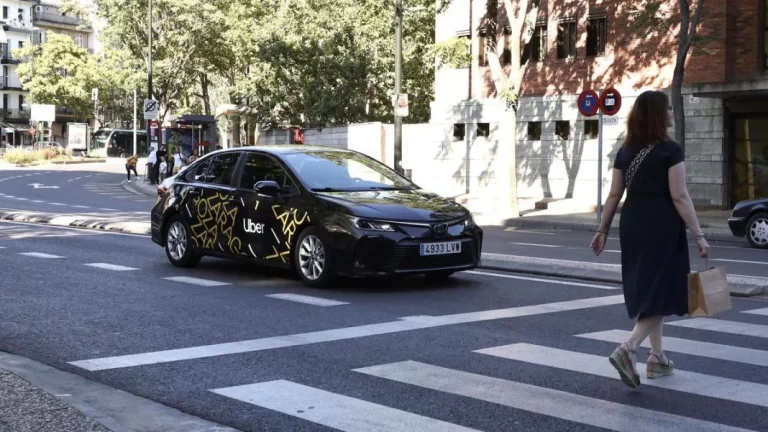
x,y
652,17
60,73
521,18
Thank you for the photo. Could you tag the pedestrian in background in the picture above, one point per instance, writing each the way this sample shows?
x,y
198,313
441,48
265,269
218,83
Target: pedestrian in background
x,y
178,160
654,246
193,157
152,166
130,165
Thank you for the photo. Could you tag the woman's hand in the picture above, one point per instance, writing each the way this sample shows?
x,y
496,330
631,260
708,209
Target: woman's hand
x,y
598,243
703,247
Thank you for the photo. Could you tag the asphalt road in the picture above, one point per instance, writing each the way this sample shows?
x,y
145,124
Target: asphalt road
x,y
71,192
486,351
737,257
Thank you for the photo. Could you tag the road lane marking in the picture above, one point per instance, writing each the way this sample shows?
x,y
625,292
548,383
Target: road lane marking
x,y
336,411
533,279
40,255
81,206
536,245
682,381
740,261
692,347
344,333
196,281
540,400
722,326
108,209
113,267
763,312
316,301
57,204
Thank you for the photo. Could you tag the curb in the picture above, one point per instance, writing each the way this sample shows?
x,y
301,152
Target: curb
x,y
61,162
137,191
740,286
591,227
77,221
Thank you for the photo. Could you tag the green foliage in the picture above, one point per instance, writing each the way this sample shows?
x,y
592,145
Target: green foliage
x,y
454,53
60,73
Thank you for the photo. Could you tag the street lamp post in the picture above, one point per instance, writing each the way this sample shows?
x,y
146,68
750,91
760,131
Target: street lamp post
x,y
398,84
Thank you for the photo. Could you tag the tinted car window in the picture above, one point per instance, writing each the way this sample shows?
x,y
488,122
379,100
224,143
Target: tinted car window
x,y
259,167
197,172
222,168
342,170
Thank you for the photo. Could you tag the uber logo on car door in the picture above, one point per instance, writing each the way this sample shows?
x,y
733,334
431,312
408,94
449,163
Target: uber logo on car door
x,y
251,227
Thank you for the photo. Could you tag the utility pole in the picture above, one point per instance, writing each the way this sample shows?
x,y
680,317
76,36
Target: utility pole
x,y
135,95
398,84
149,74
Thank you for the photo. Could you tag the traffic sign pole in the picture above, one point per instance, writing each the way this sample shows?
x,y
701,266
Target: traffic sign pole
x,y
600,168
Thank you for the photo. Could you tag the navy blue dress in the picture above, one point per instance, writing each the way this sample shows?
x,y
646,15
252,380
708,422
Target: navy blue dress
x,y
654,248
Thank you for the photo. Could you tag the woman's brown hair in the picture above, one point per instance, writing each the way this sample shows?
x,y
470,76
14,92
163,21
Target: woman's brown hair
x,y
648,121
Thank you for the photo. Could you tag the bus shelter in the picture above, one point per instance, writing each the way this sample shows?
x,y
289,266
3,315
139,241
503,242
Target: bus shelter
x,y
192,132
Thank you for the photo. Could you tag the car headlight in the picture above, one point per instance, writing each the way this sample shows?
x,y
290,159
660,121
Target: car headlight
x,y
469,222
372,225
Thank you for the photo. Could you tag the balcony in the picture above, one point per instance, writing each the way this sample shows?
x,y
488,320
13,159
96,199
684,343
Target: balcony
x,y
5,55
15,114
64,111
14,25
7,84
53,18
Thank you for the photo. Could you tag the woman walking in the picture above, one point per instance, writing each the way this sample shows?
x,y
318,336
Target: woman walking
x,y
654,247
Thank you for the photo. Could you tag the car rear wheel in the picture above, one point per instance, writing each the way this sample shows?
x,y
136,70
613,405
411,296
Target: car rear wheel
x,y
312,257
757,231
178,244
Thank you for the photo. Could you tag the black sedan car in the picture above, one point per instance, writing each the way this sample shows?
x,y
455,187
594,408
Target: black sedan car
x,y
321,211
750,219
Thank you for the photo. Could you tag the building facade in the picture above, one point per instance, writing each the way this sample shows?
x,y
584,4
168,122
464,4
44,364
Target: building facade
x,y
584,44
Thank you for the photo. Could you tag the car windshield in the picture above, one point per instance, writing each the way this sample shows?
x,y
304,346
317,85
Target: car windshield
x,y
332,170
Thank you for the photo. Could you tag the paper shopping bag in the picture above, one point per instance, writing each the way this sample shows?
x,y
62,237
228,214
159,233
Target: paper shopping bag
x,y
708,292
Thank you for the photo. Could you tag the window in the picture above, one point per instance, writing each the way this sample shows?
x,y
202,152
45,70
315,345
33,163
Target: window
x,y
332,170
566,39
563,130
259,167
5,12
21,44
197,173
21,101
483,130
591,129
596,37
459,131
483,51
222,168
539,43
21,14
79,39
506,57
534,131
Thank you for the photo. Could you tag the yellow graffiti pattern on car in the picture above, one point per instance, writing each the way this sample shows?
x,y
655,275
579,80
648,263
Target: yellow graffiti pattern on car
x,y
290,221
214,220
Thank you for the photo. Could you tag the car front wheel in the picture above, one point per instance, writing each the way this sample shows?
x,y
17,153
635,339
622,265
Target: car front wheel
x,y
178,244
757,231
312,257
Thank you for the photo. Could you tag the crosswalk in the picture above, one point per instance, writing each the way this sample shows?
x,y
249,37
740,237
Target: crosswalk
x,y
349,412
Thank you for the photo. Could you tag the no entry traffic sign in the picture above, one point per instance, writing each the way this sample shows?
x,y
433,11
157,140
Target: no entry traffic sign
x,y
589,103
610,102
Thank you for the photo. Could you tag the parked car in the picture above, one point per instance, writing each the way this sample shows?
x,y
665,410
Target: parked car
x,y
320,211
750,219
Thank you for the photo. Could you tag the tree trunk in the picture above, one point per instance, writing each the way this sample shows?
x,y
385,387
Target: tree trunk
x,y
204,84
677,101
236,131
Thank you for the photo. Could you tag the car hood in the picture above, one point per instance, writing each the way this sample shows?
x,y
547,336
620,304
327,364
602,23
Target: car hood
x,y
400,205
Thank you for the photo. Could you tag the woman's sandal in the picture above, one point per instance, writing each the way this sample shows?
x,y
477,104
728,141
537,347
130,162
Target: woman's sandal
x,y
663,367
624,359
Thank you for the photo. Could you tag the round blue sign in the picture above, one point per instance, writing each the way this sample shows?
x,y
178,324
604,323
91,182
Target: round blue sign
x,y
589,103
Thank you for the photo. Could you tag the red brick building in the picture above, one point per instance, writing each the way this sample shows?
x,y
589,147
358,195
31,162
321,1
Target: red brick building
x,y
585,44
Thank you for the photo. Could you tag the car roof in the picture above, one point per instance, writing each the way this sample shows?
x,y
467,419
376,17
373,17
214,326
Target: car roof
x,y
288,148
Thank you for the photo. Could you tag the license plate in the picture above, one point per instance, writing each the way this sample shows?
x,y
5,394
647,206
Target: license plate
x,y
440,248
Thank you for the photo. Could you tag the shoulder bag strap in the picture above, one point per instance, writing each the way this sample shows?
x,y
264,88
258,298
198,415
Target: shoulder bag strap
x,y
636,162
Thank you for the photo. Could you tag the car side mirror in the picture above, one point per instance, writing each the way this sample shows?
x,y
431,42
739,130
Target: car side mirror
x,y
267,187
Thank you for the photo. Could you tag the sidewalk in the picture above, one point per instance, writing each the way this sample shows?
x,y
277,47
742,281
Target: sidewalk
x,y
38,398
25,407
714,223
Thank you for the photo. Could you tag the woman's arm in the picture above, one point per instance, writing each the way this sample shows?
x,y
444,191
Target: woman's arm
x,y
612,201
681,198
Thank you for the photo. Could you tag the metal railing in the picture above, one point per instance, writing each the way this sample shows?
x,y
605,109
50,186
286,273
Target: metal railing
x,y
15,113
59,19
